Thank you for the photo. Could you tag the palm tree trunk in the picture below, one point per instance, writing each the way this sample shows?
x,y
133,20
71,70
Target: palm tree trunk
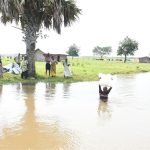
x,y
31,60
30,40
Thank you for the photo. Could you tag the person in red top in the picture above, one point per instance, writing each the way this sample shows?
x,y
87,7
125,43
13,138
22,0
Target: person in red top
x,y
104,93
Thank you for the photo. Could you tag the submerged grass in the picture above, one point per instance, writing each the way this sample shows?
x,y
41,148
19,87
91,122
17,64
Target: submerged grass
x,y
83,69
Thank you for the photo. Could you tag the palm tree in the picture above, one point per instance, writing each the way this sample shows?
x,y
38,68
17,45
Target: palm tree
x,y
35,14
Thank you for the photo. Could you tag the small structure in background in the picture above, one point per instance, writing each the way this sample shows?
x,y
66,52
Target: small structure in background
x,y
40,56
145,59
58,57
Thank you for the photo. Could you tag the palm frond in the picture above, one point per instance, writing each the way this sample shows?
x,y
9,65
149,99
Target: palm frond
x,y
49,13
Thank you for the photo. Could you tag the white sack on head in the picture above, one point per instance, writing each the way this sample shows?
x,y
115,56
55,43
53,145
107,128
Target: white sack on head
x,y
105,79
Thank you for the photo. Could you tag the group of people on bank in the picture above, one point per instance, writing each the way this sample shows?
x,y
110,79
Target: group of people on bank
x,y
22,63
50,67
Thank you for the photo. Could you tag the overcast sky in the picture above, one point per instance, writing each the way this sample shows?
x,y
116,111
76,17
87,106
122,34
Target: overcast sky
x,y
102,23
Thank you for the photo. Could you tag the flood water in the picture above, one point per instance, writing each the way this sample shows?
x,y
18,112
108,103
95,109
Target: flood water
x,y
47,116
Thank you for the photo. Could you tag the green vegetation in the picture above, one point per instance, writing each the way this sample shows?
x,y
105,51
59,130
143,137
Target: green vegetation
x,y
73,50
102,51
83,69
127,47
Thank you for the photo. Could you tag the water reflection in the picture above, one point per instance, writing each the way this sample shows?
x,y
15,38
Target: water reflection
x,y
33,133
104,110
66,90
12,110
50,89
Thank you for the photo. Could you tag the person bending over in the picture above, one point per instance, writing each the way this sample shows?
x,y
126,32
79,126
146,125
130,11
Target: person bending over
x,y
104,93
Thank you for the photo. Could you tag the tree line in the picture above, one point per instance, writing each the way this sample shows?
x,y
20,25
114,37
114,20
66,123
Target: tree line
x,y
126,47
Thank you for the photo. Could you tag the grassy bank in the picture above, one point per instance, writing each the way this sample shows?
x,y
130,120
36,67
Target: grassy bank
x,y
82,70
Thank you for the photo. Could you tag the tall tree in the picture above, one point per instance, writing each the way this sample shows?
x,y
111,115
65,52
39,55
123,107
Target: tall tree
x,y
101,51
127,47
73,50
35,14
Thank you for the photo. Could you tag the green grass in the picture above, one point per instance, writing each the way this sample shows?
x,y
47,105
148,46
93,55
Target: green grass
x,y
83,69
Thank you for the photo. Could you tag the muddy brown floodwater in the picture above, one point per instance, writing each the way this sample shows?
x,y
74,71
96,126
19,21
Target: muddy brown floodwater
x,y
47,116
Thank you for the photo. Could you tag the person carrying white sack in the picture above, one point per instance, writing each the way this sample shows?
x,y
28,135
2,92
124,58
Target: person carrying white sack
x,y
104,80
104,92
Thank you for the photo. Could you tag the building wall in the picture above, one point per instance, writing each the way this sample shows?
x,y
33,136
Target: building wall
x,y
59,57
40,57
144,60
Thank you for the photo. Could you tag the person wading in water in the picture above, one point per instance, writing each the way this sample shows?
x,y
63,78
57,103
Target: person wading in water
x,y
104,93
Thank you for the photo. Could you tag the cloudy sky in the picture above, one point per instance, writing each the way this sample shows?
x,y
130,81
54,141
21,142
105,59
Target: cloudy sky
x,y
102,23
